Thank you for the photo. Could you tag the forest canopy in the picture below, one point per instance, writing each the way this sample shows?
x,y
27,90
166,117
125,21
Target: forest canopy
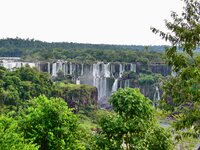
x,y
30,49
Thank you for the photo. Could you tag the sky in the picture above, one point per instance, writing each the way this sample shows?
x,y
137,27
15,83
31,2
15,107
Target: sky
x,y
87,21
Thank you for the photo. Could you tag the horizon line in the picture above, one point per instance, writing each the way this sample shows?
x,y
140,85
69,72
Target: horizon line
x,y
82,42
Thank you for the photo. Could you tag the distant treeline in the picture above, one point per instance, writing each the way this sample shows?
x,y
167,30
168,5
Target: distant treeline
x,y
36,44
33,49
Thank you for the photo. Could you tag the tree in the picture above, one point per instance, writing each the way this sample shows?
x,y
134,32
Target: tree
x,y
133,126
50,124
10,138
22,84
182,92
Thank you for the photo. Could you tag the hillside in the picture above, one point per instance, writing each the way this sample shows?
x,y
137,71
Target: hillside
x,y
30,49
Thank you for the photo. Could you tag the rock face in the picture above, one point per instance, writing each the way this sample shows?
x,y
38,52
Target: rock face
x,y
77,96
160,68
106,77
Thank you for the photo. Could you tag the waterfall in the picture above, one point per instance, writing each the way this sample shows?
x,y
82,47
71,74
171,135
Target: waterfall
x,y
100,75
103,87
127,84
157,90
96,70
18,64
96,78
60,67
156,97
115,85
100,80
11,65
121,83
30,64
78,81
121,70
49,68
112,70
70,68
173,73
66,68
54,72
106,70
133,67
82,69
96,83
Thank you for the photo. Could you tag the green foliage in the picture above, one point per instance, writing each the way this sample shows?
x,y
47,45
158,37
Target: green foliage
x,y
50,124
10,138
129,75
26,82
182,91
159,139
130,103
146,79
31,49
64,78
133,126
23,84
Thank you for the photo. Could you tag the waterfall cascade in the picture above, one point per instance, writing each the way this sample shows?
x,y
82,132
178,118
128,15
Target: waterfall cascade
x,y
107,77
115,85
156,96
78,81
127,84
104,76
11,65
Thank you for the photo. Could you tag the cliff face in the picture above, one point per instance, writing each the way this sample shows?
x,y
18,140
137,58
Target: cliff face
x,y
163,69
77,96
160,68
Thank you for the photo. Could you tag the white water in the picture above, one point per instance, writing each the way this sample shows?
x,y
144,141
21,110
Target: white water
x,y
157,90
70,68
49,66
156,96
115,85
82,66
106,70
121,70
127,84
54,72
66,68
78,81
133,67
11,65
